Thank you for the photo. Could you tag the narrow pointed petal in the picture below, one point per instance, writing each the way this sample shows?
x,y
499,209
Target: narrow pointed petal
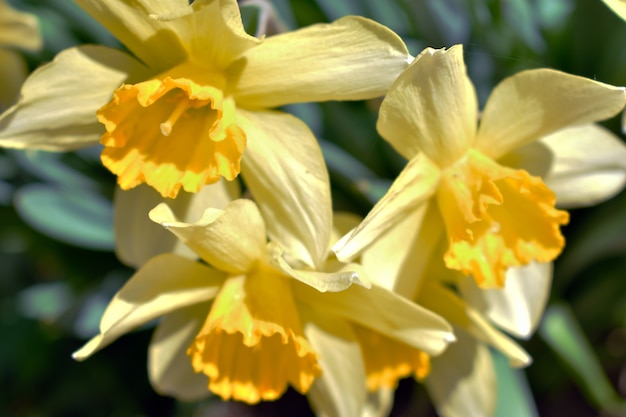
x,y
169,366
535,103
166,283
62,97
18,29
340,390
519,305
589,165
138,239
284,169
352,58
444,302
462,381
431,107
384,312
232,240
414,186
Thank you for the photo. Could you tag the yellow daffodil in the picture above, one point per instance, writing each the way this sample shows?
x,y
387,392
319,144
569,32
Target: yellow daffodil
x,y
178,111
254,319
461,381
497,215
18,30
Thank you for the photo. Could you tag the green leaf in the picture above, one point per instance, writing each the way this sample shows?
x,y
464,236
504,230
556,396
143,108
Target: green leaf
x,y
561,331
71,215
514,396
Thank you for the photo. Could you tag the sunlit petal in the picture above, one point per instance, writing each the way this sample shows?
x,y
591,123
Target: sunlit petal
x,y
137,238
232,240
165,284
531,104
350,59
61,98
415,185
284,169
431,107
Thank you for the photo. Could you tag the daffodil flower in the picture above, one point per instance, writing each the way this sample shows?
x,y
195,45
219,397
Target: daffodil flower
x,y
496,215
253,319
583,165
194,92
461,381
18,30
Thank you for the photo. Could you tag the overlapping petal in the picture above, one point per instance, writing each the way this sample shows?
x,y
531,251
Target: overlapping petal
x,y
519,305
589,165
169,368
232,240
444,302
540,102
137,238
353,58
431,108
413,187
284,169
462,381
58,103
384,312
165,284
340,390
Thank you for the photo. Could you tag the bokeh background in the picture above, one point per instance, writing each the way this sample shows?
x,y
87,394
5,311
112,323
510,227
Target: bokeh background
x,y
58,270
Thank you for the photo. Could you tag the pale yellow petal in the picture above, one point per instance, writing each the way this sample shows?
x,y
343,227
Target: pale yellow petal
x,y
165,284
212,33
384,312
431,107
400,267
444,302
232,240
135,25
412,188
340,390
535,103
462,381
169,367
18,29
352,58
137,238
589,165
618,6
62,97
517,307
284,169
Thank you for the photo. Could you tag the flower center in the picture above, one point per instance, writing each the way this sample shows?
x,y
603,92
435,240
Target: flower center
x,y
176,130
252,345
387,361
496,218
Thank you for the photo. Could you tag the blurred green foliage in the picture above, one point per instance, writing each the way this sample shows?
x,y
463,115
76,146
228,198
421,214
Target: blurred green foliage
x,y
58,270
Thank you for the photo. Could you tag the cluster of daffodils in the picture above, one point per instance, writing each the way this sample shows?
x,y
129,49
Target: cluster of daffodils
x,y
271,291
